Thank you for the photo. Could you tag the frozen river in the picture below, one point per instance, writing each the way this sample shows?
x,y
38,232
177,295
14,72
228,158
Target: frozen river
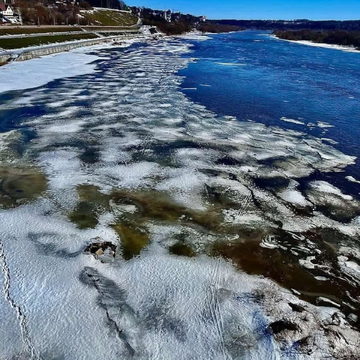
x,y
148,210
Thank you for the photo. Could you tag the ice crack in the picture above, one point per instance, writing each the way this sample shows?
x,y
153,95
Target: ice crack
x,y
111,299
29,347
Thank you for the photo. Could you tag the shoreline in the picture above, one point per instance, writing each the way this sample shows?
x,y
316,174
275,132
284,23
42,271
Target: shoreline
x,y
29,59
321,45
64,63
8,57
31,52
24,59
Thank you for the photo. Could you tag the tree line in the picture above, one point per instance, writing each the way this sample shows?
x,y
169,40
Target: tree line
x,y
336,37
66,12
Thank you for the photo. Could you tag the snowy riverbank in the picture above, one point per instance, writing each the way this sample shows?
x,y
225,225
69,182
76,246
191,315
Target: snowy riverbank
x,y
321,45
39,71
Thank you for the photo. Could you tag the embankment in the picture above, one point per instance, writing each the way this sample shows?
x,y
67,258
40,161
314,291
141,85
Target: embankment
x,y
32,52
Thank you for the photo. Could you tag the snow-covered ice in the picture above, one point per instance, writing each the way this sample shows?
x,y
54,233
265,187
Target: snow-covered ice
x,y
39,71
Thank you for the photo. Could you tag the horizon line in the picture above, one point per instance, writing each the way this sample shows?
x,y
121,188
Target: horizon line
x,y
238,19
275,19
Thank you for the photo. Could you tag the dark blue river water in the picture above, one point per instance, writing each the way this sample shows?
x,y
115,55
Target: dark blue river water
x,y
253,76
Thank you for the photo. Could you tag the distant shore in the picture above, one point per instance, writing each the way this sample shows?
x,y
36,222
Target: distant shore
x,y
329,39
322,45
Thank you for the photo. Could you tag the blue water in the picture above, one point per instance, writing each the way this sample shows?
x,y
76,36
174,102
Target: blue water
x,y
253,76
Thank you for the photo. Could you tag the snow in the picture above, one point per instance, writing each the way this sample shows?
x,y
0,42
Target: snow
x,y
321,45
159,301
36,72
194,35
40,71
324,125
132,175
230,64
294,121
294,196
325,187
352,179
353,266
328,46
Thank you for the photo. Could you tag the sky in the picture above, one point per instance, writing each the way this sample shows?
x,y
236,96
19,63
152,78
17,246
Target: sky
x,y
260,9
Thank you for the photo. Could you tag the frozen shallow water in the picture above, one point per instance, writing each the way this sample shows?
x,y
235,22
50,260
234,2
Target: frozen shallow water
x,y
192,200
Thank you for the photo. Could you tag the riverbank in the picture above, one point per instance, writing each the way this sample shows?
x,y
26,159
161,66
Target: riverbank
x,y
321,45
28,53
51,66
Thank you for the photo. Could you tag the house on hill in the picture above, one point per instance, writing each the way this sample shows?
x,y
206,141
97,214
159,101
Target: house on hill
x,y
8,12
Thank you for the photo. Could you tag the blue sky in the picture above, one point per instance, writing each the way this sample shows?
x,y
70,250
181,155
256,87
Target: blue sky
x,y
260,9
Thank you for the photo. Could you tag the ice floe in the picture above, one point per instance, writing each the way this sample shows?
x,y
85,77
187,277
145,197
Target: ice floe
x,y
294,196
293,121
37,72
352,179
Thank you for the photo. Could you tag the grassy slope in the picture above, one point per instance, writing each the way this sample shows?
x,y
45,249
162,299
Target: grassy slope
x,y
100,19
109,18
10,30
41,40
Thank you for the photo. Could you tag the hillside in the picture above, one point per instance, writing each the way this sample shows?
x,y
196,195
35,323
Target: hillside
x,y
334,37
350,25
172,23
67,12
111,4
107,17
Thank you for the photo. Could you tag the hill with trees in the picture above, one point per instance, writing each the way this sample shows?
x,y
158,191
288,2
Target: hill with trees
x,y
172,23
110,4
82,12
300,24
335,37
68,12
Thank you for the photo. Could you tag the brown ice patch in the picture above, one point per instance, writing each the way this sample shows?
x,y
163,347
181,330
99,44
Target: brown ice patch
x,y
19,185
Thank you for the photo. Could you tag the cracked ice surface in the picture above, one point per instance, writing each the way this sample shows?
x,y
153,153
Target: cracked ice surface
x,y
143,134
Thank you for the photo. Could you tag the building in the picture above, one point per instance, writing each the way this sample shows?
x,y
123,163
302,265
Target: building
x,y
167,15
9,14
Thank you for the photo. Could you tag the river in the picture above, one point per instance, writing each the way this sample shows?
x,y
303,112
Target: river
x,y
181,199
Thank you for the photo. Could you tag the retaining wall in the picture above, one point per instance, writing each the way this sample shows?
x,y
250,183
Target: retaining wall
x,y
30,53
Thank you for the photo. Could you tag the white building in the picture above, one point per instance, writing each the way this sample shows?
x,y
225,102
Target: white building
x,y
167,15
10,15
8,12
